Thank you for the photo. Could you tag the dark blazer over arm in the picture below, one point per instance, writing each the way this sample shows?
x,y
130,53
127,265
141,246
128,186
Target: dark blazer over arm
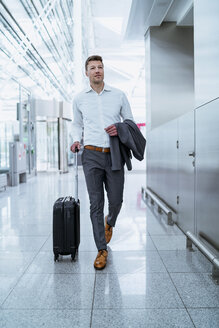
x,y
129,139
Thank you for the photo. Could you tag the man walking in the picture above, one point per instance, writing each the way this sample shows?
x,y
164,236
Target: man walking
x,y
97,109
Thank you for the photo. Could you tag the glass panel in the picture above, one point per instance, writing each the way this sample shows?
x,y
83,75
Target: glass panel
x,y
9,125
41,146
52,145
47,146
25,106
69,142
25,110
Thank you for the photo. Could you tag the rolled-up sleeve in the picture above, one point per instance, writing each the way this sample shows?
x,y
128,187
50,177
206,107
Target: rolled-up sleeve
x,y
77,122
126,112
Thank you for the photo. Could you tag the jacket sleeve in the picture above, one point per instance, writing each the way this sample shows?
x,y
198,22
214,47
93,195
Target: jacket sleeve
x,y
125,111
77,122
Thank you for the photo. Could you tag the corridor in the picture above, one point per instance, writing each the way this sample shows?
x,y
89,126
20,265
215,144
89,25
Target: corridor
x,y
150,280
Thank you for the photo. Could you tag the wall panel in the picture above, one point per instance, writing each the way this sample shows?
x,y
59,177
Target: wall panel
x,y
206,50
207,172
162,162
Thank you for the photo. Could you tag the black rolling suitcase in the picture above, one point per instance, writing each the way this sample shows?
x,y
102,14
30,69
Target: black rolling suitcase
x,y
66,223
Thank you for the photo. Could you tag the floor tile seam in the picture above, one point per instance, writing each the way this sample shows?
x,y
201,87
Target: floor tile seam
x,y
59,273
46,309
180,250
80,251
140,250
26,235
126,251
156,250
184,272
31,223
92,306
197,273
93,273
20,251
136,251
173,284
95,308
168,235
19,278
190,318
122,251
24,219
133,273
180,233
203,308
43,309
139,308
177,291
165,234
99,274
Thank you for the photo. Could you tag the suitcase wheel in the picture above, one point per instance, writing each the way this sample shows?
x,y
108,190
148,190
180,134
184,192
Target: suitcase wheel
x,y
56,257
73,255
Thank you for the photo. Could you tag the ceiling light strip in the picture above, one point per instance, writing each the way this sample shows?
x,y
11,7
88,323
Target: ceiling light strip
x,y
24,47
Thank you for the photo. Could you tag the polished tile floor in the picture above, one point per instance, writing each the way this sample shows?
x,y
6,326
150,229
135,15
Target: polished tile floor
x,y
151,280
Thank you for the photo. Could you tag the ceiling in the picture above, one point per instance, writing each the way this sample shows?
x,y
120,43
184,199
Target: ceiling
x,y
154,12
38,43
118,31
123,58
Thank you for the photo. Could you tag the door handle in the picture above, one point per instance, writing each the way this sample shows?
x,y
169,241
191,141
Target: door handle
x,y
192,154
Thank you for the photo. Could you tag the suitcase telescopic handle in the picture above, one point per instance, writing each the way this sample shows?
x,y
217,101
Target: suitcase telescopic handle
x,y
76,173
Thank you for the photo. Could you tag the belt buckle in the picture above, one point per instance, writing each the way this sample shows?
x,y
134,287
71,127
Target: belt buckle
x,y
103,150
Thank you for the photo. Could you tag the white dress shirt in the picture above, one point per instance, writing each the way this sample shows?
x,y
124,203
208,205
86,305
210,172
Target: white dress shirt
x,y
95,112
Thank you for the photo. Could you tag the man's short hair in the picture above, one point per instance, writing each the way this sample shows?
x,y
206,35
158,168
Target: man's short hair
x,y
91,58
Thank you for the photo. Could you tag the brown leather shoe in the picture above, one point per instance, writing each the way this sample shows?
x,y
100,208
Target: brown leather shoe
x,y
108,231
100,261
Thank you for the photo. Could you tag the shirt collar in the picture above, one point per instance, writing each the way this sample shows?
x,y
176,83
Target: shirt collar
x,y
105,88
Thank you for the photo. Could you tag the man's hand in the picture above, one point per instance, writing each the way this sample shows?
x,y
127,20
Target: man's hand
x,y
76,144
112,130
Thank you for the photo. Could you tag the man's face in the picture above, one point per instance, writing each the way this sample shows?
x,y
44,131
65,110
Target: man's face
x,y
95,72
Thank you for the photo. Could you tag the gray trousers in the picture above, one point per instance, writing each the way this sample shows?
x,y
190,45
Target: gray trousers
x,y
98,173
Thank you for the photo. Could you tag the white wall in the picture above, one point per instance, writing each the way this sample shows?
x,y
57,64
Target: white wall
x,y
206,43
170,73
47,108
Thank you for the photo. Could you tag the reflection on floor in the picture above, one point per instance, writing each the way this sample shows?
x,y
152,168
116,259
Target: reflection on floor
x,y
151,280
